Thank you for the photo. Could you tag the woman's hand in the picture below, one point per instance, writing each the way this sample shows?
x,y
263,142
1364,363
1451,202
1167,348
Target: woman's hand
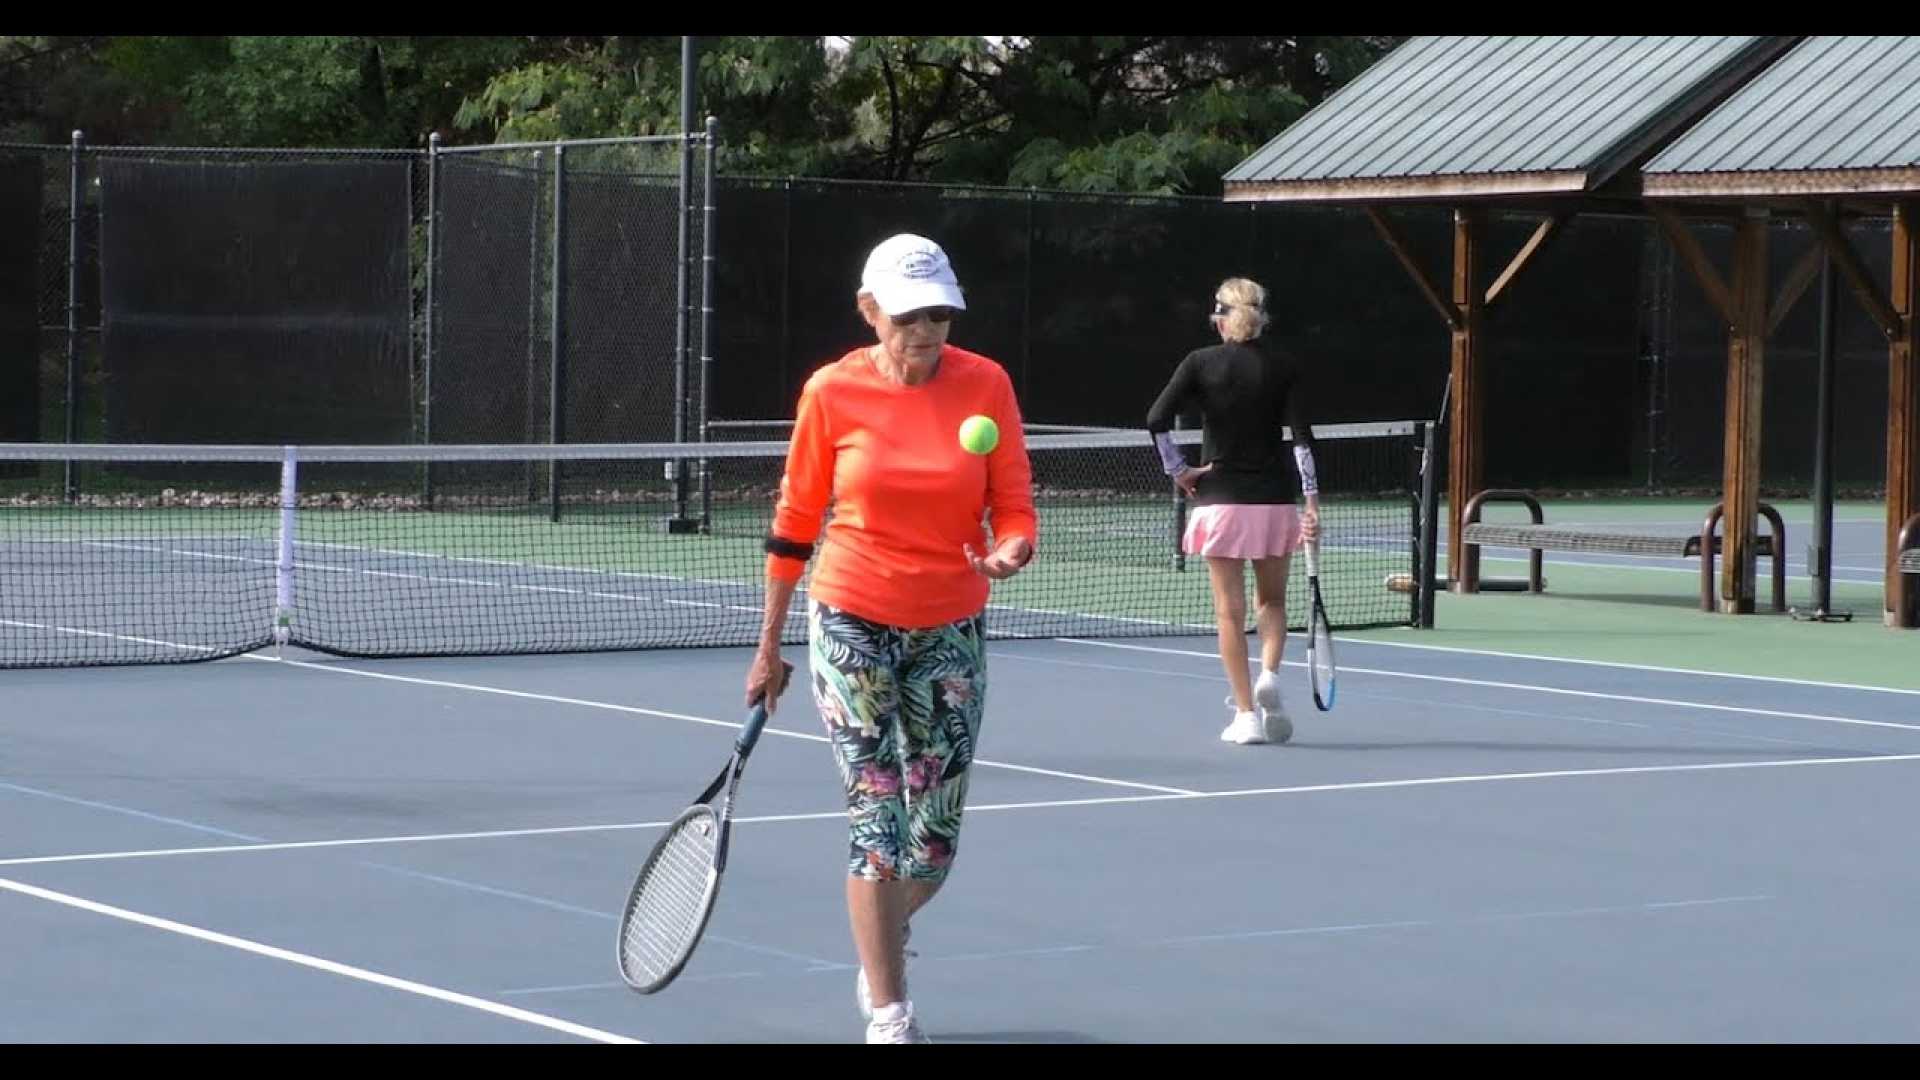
x,y
767,677
1310,522
1006,560
1188,480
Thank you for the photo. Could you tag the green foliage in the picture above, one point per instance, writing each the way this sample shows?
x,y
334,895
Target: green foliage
x,y
1147,114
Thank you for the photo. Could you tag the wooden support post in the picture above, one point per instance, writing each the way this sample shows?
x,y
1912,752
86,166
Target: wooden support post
x,y
1903,395
1466,469
1746,366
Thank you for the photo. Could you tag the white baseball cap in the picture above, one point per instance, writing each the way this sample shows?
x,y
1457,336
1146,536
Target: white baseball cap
x,y
907,273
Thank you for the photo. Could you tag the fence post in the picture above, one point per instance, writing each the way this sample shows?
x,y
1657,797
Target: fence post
x,y
433,271
1026,307
69,482
556,393
531,399
707,250
682,329
786,294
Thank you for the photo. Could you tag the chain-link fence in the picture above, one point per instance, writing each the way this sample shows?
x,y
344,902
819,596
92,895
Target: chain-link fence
x,y
573,292
1604,366
504,294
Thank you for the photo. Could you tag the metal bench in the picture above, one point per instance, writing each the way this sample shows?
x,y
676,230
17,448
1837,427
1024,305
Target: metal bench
x,y
1539,537
1908,545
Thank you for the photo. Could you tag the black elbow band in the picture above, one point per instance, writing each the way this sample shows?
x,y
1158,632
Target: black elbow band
x,y
780,545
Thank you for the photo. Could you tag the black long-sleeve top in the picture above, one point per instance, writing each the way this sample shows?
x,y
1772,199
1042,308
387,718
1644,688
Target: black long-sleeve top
x,y
1245,393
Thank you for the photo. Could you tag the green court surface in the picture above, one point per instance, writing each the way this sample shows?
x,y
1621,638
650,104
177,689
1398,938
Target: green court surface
x,y
1647,611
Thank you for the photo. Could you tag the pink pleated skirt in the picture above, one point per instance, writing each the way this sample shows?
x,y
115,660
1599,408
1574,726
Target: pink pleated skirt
x,y
1242,530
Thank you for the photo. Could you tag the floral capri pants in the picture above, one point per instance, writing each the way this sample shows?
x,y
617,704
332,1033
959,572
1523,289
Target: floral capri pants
x,y
902,709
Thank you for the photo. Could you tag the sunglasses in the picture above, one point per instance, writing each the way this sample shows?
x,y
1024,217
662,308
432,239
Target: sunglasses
x,y
934,314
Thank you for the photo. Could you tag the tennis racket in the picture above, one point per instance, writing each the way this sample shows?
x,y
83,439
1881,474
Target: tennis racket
x,y
1319,637
673,895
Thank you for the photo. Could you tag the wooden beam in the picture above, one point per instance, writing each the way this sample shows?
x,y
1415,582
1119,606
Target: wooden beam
x,y
1400,251
1903,395
1853,269
1746,368
1798,279
1466,469
1702,268
1548,229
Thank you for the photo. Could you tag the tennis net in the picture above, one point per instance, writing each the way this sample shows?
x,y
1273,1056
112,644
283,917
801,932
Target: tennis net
x,y
195,552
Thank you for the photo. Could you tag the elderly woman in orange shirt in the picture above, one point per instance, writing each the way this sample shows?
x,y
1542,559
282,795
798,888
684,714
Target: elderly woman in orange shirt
x,y
898,595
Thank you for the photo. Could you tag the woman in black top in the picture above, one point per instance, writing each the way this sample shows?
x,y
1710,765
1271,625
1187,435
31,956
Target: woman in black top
x,y
1243,493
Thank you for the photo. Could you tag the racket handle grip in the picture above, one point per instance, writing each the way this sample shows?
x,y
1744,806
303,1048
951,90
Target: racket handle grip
x,y
750,731
757,718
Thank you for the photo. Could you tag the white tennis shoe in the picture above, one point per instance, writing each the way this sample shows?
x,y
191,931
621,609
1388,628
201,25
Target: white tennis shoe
x,y
1246,729
895,1023
1266,695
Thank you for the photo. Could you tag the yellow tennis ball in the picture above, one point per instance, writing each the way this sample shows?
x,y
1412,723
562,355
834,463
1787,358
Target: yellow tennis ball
x,y
979,435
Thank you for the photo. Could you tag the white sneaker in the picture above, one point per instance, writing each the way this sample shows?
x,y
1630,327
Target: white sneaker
x,y
1266,690
895,1023
863,996
1266,697
1245,729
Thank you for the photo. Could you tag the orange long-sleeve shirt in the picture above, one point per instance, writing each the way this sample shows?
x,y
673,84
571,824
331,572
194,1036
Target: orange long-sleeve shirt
x,y
906,498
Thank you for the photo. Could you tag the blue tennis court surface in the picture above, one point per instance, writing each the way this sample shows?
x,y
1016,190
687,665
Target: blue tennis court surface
x,y
1472,847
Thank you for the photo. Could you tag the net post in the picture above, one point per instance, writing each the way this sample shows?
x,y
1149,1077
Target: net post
x,y
1179,517
283,564
1414,508
1428,549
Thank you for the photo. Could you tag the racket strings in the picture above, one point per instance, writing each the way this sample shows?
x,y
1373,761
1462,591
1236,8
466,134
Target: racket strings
x,y
1322,656
664,917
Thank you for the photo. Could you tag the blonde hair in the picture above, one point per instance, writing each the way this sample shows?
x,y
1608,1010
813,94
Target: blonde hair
x,y
1246,303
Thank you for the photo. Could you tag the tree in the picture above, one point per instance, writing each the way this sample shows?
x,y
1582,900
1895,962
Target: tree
x,y
1141,113
52,85
770,95
309,91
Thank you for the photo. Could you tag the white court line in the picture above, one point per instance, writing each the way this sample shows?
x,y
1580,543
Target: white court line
x,y
1045,804
103,634
329,966
1806,522
1459,681
1602,663
420,838
1221,678
475,688
1793,578
433,579
1223,938
636,710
